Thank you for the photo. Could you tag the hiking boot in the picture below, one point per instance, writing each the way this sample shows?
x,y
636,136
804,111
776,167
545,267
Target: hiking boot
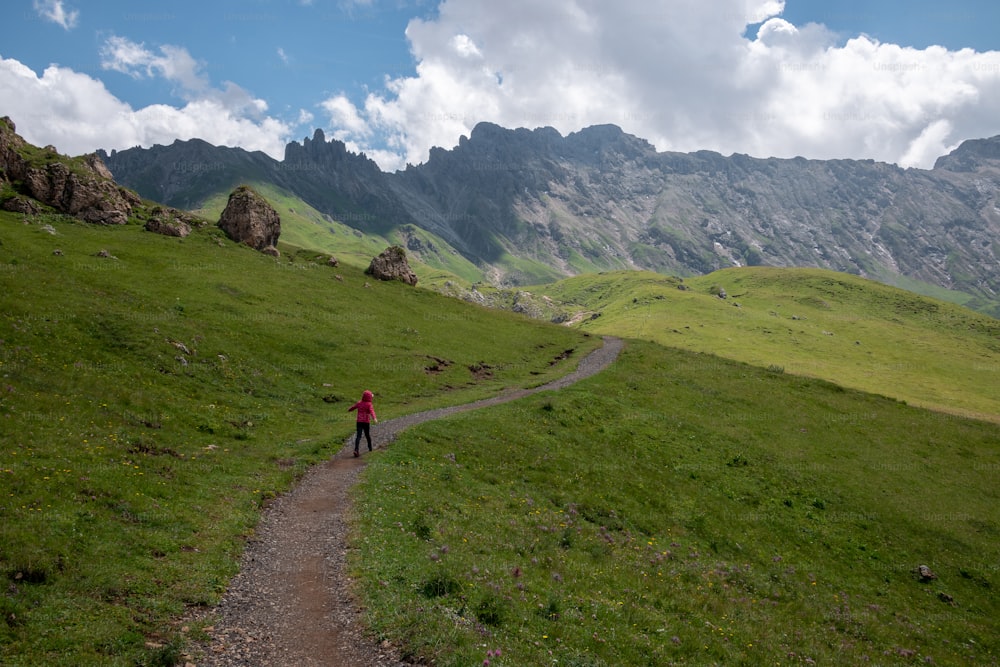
x,y
356,455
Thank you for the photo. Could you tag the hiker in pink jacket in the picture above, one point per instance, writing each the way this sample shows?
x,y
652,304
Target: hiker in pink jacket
x,y
366,415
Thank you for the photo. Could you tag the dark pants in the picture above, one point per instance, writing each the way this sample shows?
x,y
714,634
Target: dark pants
x,y
363,427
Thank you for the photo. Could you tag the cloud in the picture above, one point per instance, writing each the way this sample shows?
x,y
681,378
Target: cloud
x,y
55,11
172,63
78,114
684,75
176,65
305,117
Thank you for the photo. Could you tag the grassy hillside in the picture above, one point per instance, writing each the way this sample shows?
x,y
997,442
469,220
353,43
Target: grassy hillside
x,y
811,322
152,400
678,509
303,226
682,509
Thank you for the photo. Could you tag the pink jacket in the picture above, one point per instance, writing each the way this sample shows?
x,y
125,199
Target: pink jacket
x,y
366,412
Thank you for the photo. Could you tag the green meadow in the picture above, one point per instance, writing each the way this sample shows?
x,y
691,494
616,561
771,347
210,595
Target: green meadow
x,y
756,481
811,322
153,400
683,509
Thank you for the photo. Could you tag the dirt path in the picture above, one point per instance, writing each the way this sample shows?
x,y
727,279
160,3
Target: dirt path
x,y
290,604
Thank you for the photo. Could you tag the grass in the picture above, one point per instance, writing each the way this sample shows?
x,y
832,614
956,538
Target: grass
x,y
302,226
151,403
678,509
811,322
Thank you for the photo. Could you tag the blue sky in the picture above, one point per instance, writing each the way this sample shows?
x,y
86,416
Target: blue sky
x,y
897,81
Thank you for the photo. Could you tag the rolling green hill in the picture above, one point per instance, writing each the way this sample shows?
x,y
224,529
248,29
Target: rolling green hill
x,y
811,322
684,509
680,508
153,396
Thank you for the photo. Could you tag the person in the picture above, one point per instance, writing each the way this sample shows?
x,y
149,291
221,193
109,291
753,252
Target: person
x,y
366,415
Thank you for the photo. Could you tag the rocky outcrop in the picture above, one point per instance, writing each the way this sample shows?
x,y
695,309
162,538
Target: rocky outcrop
x,y
80,187
169,222
249,219
21,204
391,264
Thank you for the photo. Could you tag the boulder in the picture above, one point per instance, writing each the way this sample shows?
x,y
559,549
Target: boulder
x,y
391,264
169,222
249,219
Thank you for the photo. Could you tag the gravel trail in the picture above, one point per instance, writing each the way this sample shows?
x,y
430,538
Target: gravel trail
x,y
291,602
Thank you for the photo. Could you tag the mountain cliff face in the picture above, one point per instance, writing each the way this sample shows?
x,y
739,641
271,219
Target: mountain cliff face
x,y
532,205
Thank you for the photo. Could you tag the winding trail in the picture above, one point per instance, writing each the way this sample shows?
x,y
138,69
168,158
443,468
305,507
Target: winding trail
x,y
291,603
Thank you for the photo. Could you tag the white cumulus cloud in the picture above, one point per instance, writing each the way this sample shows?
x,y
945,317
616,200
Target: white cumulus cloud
x,y
78,114
684,75
56,11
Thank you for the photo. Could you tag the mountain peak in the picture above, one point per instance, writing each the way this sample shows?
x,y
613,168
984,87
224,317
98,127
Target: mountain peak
x,y
970,154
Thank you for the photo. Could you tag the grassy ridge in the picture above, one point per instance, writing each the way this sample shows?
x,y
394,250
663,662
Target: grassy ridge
x,y
151,401
680,508
812,322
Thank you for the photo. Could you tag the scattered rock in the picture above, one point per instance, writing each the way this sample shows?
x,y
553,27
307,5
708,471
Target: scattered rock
x,y
105,254
924,573
168,221
391,264
947,599
249,219
333,261
24,205
180,346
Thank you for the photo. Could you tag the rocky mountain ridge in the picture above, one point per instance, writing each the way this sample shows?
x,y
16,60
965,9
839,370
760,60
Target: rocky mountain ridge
x,y
530,206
